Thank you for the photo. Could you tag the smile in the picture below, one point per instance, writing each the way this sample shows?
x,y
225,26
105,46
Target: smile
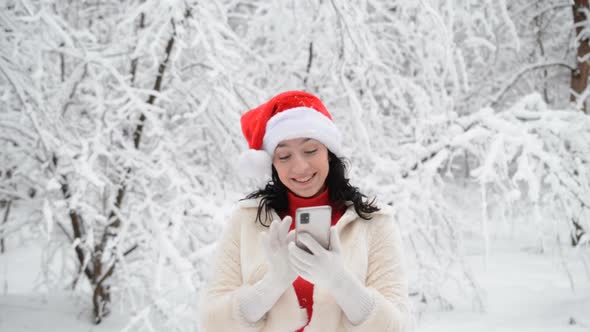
x,y
304,180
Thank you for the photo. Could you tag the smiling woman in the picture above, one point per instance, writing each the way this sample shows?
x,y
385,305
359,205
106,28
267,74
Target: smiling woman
x,y
302,165
262,281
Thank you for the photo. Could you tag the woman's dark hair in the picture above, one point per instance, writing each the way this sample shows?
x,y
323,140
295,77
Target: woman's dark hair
x,y
274,194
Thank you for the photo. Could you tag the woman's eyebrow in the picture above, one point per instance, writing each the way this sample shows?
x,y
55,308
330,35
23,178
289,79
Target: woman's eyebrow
x,y
282,145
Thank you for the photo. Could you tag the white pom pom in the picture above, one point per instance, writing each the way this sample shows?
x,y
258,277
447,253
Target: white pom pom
x,y
255,164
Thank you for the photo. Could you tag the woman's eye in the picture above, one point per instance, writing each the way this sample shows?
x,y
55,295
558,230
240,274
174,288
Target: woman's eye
x,y
311,151
284,157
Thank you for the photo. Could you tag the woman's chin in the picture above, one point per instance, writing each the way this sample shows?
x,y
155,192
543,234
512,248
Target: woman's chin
x,y
311,191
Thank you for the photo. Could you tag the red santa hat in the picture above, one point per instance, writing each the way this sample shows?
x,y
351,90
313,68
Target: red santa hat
x,y
291,114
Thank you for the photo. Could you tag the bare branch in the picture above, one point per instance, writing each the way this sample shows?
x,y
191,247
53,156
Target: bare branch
x,y
515,77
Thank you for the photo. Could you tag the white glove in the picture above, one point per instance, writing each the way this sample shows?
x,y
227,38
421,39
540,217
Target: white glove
x,y
255,301
275,245
325,268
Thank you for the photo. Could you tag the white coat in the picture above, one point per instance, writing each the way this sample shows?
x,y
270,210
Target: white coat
x,y
372,251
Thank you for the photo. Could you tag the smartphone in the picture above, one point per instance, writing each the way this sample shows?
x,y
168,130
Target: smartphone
x,y
316,221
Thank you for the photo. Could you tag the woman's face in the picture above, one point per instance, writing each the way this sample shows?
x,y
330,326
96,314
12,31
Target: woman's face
x,y
302,165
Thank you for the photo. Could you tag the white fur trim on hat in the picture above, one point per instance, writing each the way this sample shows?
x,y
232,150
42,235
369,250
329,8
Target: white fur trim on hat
x,y
255,164
301,122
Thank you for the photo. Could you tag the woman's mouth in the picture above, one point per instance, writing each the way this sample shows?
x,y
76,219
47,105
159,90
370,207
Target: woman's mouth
x,y
304,179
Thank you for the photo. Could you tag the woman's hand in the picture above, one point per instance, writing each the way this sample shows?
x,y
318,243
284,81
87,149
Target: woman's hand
x,y
275,246
256,300
320,266
326,269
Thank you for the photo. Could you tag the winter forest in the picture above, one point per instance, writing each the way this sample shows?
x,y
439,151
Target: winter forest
x,y
120,132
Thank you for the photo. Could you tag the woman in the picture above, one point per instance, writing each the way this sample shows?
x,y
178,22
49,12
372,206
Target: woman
x,y
261,280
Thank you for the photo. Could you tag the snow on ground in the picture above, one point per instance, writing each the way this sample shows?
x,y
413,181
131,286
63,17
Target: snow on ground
x,y
24,307
51,312
524,290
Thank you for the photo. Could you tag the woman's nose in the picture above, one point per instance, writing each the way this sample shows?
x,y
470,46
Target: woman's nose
x,y
300,165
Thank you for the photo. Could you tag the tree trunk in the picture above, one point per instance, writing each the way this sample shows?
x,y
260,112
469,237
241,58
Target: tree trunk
x,y
4,221
102,297
577,233
579,77
579,83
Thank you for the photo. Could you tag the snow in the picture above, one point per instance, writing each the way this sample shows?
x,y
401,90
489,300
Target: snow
x,y
523,289
51,312
430,94
25,306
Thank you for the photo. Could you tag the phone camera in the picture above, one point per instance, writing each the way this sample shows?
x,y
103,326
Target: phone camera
x,y
305,218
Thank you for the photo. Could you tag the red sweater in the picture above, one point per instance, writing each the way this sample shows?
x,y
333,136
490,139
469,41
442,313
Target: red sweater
x,y
303,288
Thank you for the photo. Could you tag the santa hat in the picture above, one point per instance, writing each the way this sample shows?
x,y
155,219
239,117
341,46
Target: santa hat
x,y
291,114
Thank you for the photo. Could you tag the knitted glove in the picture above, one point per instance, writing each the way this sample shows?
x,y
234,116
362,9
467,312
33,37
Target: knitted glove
x,y
275,245
256,300
325,268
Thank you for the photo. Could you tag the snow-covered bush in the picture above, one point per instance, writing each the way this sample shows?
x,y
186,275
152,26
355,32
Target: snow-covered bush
x,y
531,162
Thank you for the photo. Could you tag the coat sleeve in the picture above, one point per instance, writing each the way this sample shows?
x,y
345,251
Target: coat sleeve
x,y
386,279
219,310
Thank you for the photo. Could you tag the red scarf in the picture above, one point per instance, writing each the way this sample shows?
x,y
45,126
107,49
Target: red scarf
x,y
304,288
